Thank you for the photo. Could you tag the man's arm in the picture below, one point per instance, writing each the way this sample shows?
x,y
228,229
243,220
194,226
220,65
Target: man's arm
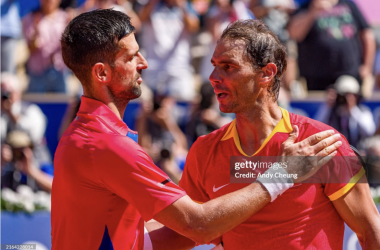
x,y
204,222
369,49
147,10
358,210
300,24
191,21
163,238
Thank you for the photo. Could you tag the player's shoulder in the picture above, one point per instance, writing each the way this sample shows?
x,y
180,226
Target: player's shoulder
x,y
205,142
307,124
115,143
308,127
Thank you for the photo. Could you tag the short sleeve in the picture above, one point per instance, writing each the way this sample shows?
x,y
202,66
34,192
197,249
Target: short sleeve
x,y
341,173
126,169
358,16
191,180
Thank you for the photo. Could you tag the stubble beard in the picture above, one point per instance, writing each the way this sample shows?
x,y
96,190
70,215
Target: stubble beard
x,y
228,108
121,98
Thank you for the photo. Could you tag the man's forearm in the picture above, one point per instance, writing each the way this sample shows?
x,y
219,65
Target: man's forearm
x,y
191,21
164,238
207,221
43,180
147,10
300,25
369,47
220,215
365,121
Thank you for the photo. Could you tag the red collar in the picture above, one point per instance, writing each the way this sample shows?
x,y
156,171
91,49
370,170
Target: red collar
x,y
99,109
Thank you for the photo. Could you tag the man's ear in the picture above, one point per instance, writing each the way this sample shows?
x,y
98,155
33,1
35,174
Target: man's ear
x,y
101,72
268,72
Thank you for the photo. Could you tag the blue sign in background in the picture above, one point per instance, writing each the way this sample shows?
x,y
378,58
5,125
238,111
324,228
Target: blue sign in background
x,y
27,6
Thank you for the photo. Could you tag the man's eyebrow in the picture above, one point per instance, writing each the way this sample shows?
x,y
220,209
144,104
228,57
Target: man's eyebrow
x,y
225,61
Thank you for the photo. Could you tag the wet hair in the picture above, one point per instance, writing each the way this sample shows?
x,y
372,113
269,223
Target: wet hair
x,y
93,37
262,47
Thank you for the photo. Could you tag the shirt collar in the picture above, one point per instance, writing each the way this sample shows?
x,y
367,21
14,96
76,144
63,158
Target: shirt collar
x,y
99,109
284,126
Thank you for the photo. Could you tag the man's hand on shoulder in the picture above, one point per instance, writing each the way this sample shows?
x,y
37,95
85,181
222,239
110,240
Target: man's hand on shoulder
x,y
309,155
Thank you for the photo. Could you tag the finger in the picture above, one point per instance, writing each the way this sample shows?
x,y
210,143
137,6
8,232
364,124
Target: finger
x,y
326,159
326,142
28,153
314,139
292,136
328,150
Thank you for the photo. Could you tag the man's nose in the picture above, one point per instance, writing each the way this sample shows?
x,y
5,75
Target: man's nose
x,y
142,64
215,77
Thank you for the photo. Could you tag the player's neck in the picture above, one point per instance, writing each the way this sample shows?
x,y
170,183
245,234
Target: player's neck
x,y
254,127
103,96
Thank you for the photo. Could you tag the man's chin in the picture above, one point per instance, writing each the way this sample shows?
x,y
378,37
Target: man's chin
x,y
225,109
135,94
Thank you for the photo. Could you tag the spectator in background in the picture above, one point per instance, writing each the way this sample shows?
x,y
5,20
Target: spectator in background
x,y
333,40
19,166
275,14
166,38
344,112
42,31
20,115
29,124
161,137
70,6
120,5
206,116
10,33
221,13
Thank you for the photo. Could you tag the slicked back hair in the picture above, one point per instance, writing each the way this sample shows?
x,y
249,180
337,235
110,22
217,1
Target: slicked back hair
x,y
262,47
93,37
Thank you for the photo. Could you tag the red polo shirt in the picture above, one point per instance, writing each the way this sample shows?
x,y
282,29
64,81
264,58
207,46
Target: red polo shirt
x,y
301,218
104,181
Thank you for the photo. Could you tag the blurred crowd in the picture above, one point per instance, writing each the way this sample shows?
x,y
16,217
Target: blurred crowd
x,y
331,48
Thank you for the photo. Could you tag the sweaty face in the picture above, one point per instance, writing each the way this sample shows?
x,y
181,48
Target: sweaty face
x,y
234,77
126,73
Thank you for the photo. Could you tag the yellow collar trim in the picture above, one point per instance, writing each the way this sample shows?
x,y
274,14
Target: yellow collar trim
x,y
284,126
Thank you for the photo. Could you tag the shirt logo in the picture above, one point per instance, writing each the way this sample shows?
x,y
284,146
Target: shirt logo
x,y
161,184
216,189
